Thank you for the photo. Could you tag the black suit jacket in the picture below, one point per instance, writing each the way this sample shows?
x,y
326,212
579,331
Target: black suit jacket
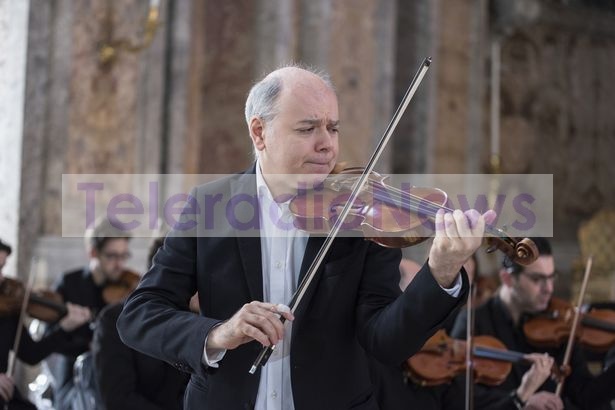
x,y
353,306
128,379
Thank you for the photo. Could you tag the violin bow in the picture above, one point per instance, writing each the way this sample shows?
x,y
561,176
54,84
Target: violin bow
x,y
575,324
469,388
22,313
263,356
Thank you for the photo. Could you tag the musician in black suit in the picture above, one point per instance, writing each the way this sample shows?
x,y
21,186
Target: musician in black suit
x,y
108,251
526,291
29,351
353,306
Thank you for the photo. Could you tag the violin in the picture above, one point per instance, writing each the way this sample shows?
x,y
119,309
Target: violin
x,y
552,327
118,290
43,305
387,215
442,358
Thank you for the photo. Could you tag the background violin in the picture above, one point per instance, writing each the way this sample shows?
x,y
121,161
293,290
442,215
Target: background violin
x,y
442,358
552,327
44,305
387,215
48,306
118,290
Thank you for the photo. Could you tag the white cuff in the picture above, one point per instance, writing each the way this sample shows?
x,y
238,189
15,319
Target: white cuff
x,y
211,357
456,289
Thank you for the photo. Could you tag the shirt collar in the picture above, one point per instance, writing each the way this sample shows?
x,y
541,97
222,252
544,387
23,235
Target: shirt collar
x,y
261,186
263,190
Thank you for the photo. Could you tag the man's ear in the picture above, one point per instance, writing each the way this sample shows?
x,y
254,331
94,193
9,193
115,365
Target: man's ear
x,y
257,131
93,253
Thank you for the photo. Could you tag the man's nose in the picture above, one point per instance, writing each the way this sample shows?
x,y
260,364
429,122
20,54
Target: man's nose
x,y
548,286
325,140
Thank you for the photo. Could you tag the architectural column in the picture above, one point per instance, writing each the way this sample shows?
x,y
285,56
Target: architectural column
x,y
354,42
14,35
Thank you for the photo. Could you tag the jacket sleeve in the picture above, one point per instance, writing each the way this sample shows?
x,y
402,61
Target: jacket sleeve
x,y
156,319
32,352
393,326
71,343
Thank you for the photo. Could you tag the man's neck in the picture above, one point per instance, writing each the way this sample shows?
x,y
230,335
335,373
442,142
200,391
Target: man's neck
x,y
510,303
277,185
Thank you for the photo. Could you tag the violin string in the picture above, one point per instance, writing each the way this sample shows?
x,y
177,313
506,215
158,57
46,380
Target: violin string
x,y
414,199
421,205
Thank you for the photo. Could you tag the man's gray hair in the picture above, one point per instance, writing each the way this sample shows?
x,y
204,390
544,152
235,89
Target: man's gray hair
x,y
263,96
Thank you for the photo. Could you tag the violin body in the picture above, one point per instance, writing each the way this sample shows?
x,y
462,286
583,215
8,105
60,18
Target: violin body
x,y
48,306
442,358
552,328
598,332
378,211
11,294
43,305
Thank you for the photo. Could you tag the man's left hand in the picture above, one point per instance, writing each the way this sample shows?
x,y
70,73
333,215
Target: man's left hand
x,y
458,236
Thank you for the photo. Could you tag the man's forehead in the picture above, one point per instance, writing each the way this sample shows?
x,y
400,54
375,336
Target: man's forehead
x,y
318,121
115,243
534,273
544,265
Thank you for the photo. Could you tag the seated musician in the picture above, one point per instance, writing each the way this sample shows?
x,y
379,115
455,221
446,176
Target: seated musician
x,y
526,291
396,390
108,251
29,351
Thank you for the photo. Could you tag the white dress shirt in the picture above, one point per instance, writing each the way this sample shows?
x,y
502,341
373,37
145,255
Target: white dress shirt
x,y
282,249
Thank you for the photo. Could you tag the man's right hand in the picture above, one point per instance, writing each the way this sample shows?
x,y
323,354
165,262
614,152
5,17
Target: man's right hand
x,y
254,321
536,376
6,387
544,400
75,317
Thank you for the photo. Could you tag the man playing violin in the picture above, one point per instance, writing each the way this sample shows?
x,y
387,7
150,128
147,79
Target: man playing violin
x,y
108,251
29,351
353,306
526,291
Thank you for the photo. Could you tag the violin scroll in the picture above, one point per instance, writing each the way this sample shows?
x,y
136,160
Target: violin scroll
x,y
521,251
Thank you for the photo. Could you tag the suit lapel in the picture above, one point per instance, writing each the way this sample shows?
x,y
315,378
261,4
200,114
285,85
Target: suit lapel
x,y
249,245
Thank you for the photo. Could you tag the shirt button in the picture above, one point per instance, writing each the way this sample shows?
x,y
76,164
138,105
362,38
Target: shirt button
x,y
278,265
274,394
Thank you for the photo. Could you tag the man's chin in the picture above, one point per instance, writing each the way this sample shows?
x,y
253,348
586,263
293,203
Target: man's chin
x,y
318,168
115,277
308,181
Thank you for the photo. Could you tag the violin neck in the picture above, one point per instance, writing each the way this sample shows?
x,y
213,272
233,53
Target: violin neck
x,y
598,323
497,354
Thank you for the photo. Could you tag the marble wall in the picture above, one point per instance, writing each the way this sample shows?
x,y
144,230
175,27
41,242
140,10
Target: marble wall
x,y
14,35
177,106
